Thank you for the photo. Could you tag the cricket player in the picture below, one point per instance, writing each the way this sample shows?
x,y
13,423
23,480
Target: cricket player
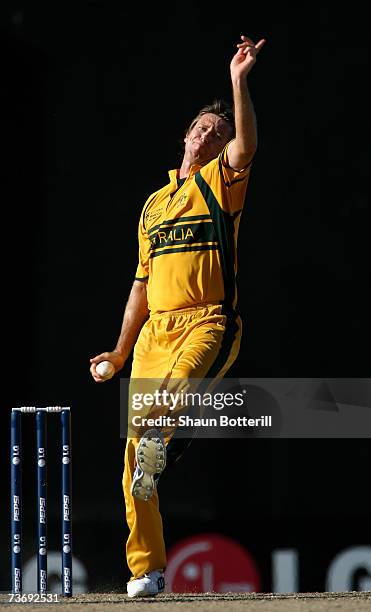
x,y
181,313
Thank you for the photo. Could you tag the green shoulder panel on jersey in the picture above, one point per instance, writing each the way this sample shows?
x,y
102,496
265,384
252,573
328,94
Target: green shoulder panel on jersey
x,y
224,229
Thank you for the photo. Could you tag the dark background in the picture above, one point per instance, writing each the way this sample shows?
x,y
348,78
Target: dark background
x,y
95,98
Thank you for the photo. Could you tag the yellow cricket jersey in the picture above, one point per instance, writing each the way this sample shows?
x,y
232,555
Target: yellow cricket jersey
x,y
188,237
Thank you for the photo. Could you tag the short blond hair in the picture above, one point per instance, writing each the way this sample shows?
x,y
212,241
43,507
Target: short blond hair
x,y
220,108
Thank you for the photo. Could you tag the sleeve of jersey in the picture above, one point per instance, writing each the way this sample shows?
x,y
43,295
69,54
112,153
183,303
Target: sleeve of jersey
x,y
228,185
144,244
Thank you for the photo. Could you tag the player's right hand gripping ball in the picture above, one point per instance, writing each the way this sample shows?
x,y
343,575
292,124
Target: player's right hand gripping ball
x,y
105,369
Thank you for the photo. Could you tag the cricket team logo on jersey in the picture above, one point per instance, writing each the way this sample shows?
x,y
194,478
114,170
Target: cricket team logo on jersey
x,y
152,216
182,200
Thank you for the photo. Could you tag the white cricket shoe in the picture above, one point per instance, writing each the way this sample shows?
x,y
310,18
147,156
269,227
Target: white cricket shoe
x,y
149,584
151,460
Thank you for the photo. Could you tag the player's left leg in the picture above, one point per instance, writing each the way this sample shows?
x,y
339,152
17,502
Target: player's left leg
x,y
196,343
208,347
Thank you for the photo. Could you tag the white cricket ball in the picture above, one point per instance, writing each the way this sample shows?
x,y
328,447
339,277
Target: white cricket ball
x,y
105,369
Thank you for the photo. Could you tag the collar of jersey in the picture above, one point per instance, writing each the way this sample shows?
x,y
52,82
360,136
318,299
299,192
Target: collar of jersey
x,y
173,174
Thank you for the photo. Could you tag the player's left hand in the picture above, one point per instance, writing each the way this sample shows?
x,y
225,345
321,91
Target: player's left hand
x,y
245,58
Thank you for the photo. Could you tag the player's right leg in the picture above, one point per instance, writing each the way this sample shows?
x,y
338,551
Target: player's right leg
x,y
145,547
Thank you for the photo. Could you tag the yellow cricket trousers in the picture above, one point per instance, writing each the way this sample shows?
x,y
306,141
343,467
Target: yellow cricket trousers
x,y
199,342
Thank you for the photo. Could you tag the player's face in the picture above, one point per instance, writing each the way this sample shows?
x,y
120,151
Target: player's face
x,y
207,138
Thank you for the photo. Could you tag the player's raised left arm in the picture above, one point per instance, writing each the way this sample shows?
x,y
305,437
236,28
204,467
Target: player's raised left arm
x,y
242,148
